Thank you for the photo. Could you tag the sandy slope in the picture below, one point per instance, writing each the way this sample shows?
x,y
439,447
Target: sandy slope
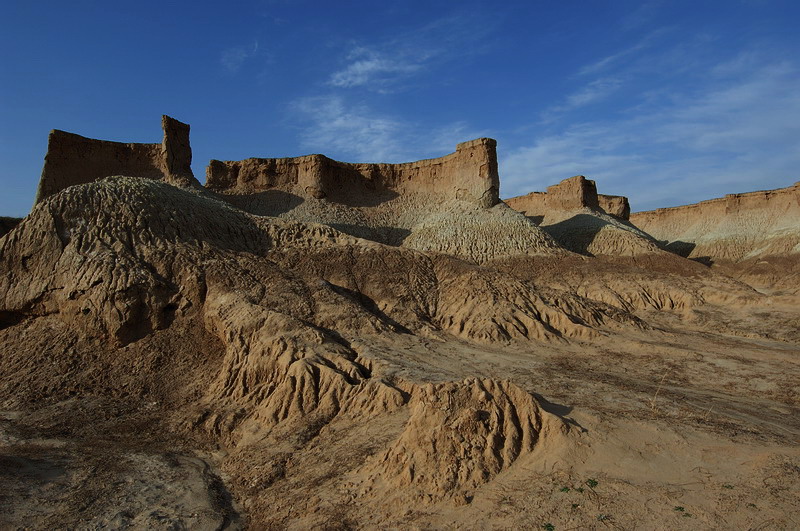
x,y
170,360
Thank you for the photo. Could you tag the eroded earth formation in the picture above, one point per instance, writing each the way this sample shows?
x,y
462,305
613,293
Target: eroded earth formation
x,y
306,343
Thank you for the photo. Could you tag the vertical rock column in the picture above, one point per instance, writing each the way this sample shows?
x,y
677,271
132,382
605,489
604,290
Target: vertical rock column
x,y
474,172
176,152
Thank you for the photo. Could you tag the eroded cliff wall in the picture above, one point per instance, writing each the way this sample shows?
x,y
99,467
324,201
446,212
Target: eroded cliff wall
x,y
570,194
73,159
583,221
734,227
469,174
616,205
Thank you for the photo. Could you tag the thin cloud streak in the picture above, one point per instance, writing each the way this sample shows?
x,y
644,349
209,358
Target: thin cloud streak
x,y
613,59
593,92
382,66
369,67
232,59
331,125
732,131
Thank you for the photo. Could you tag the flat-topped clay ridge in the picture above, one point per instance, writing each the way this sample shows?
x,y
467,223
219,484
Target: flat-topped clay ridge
x,y
469,174
583,221
732,227
570,194
74,159
731,201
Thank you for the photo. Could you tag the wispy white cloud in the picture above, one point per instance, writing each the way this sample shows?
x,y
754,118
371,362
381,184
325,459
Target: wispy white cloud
x,y
382,65
641,15
233,58
615,59
355,132
734,131
332,126
593,92
369,66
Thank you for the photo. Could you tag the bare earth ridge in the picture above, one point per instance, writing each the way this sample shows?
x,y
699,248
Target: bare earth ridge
x,y
316,344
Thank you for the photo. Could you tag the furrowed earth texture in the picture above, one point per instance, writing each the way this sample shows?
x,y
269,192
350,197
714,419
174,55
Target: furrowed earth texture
x,y
305,343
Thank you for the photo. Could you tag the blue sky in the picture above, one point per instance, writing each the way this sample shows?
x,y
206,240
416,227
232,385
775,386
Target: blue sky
x,y
667,102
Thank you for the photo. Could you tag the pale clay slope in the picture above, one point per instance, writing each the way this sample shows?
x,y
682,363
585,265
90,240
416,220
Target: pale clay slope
x,y
334,380
736,228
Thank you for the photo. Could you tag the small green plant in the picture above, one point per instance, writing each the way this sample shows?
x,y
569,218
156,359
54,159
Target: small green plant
x,y
687,515
575,505
565,489
592,483
727,486
679,508
579,489
549,527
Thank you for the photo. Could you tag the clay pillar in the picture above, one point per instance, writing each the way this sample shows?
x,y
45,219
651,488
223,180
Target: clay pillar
x,y
175,149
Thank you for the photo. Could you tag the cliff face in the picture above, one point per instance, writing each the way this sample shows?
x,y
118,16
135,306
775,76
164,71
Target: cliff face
x,y
571,194
615,205
469,174
734,228
583,221
73,159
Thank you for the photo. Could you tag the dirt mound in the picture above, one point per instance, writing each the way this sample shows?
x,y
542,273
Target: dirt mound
x,y
462,434
126,257
580,220
479,235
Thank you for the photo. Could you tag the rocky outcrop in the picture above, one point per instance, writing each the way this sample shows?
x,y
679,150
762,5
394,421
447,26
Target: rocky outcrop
x,y
615,205
583,221
469,174
176,152
571,194
73,159
734,228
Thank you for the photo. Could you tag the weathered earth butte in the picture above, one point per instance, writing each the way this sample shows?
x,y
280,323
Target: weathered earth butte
x,y
583,221
306,343
749,236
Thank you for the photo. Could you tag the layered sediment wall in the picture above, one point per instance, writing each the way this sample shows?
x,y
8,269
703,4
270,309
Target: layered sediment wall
x,y
570,194
73,159
733,227
616,205
469,174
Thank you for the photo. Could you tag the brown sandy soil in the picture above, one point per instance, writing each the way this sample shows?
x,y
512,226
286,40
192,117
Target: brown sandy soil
x,y
169,361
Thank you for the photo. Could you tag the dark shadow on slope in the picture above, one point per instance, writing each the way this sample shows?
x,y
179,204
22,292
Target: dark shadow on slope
x,y
358,195
678,247
268,203
705,260
576,233
558,410
387,235
7,224
371,306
